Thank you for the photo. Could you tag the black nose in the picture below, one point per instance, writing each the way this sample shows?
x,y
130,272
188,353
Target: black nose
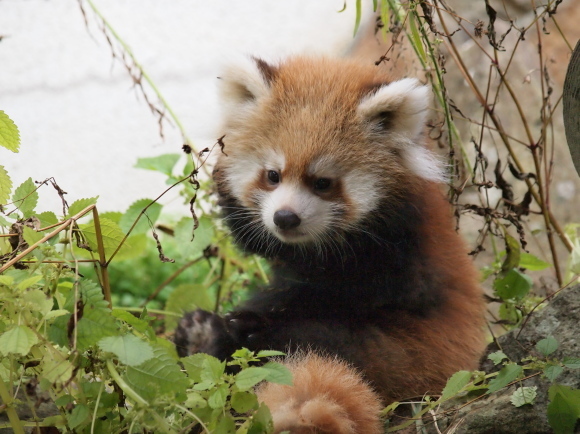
x,y
285,219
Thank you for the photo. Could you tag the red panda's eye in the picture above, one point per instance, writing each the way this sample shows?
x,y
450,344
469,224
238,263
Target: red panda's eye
x,y
273,176
322,184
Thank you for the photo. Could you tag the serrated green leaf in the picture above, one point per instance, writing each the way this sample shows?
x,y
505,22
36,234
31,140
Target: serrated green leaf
x,y
47,218
278,373
203,236
523,396
218,397
5,186
507,374
261,421
226,424
138,324
37,301
112,235
249,377
551,372
78,415
514,285
195,400
145,222
9,134
185,298
213,369
162,163
242,402
80,204
94,326
31,236
129,349
158,376
547,346
29,281
17,340
25,197
497,357
457,382
194,365
533,263
56,368
571,362
564,408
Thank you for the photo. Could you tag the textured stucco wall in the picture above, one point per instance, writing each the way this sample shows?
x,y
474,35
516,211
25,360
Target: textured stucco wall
x,y
80,119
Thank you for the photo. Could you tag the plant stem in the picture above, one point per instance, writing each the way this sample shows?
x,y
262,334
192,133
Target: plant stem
x,y
15,422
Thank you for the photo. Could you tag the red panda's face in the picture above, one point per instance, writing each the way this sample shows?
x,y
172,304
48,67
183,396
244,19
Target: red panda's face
x,y
312,146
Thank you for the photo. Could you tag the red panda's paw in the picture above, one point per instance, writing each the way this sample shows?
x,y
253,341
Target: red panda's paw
x,y
197,332
328,396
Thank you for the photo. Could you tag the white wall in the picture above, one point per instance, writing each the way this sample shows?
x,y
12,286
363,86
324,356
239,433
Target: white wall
x,y
81,121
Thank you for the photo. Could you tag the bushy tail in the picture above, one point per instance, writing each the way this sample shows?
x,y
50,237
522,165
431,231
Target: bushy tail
x,y
328,396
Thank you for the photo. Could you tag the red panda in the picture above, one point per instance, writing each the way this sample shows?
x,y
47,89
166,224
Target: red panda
x,y
325,173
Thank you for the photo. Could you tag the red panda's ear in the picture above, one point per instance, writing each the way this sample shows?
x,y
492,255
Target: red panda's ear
x,y
399,107
246,81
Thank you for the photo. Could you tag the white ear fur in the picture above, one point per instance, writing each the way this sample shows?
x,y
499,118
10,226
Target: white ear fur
x,y
243,82
407,100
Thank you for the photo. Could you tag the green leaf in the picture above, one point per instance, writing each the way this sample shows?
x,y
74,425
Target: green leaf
x,y
261,421
18,340
130,350
564,408
547,346
278,373
56,368
31,236
145,222
185,298
454,385
497,357
78,415
507,374
513,253
242,402
29,281
194,365
25,197
195,400
79,205
226,424
9,134
358,16
158,376
532,263
523,396
94,326
249,377
552,372
112,235
203,236
47,218
218,397
138,324
571,362
213,369
270,353
162,163
514,285
5,186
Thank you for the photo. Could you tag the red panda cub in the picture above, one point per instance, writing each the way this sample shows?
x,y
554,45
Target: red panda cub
x,y
325,173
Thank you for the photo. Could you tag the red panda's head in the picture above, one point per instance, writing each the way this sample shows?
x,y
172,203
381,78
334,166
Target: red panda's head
x,y
314,146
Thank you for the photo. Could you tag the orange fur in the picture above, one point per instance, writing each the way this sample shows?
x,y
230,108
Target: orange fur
x,y
328,396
